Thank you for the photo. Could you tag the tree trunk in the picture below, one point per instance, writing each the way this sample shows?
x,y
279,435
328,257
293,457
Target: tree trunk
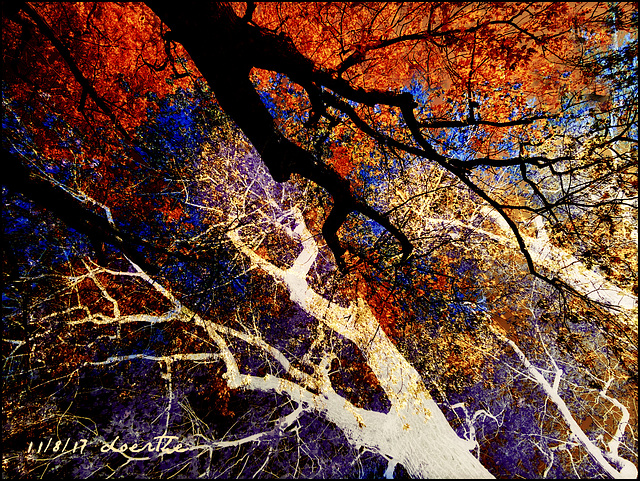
x,y
414,432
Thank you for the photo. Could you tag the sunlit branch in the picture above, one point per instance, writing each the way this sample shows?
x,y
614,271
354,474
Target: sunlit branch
x,y
79,195
68,208
471,422
198,357
587,283
613,445
73,209
628,470
180,312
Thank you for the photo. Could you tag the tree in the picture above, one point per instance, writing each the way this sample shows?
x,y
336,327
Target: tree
x,y
292,239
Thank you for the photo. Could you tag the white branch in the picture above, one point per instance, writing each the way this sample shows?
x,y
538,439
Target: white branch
x,y
570,269
106,295
574,427
272,351
628,469
201,356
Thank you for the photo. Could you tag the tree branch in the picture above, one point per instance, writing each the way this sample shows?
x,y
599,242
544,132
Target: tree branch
x,y
87,87
576,430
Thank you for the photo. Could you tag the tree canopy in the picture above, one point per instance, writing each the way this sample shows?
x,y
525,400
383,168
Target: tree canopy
x,y
320,239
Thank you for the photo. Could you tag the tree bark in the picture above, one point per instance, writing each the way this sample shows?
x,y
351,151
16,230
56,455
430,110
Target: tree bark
x,y
225,48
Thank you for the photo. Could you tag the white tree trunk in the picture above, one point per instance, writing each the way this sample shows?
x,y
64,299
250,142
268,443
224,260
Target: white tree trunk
x,y
415,432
